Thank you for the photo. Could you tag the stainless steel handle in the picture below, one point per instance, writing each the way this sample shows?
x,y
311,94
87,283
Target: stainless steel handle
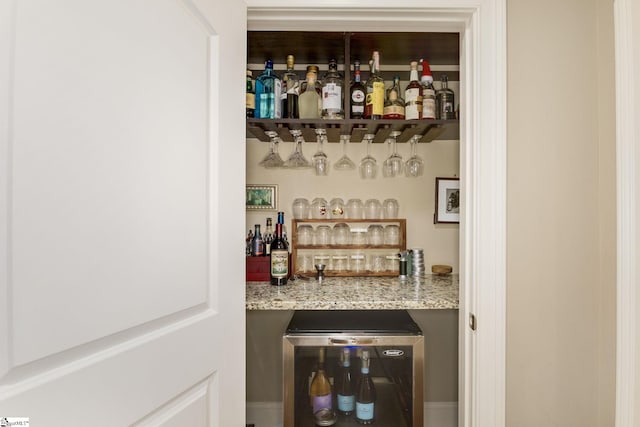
x,y
353,341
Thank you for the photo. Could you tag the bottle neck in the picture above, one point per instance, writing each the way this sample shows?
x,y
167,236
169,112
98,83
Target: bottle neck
x,y
413,75
279,231
356,76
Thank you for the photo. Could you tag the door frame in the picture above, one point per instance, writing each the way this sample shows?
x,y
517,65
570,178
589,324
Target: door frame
x,y
483,130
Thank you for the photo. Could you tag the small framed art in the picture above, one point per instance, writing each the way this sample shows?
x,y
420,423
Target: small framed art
x,y
447,201
262,197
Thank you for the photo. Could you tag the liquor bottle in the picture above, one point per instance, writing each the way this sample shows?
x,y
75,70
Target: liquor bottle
x,y
318,85
374,105
284,227
428,92
394,104
357,93
268,237
249,243
290,91
320,390
257,245
332,93
365,393
413,95
344,384
445,101
251,95
309,100
279,259
268,88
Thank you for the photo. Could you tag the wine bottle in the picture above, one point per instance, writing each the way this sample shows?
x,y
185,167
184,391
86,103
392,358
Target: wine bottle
x,y
279,259
290,91
357,92
366,393
374,105
320,390
344,384
413,95
257,244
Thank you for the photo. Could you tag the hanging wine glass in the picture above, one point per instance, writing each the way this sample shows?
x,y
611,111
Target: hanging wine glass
x,y
414,167
394,164
272,159
297,160
368,164
320,160
344,163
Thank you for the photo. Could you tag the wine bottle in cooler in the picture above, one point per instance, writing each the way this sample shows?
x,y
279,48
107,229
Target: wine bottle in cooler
x,y
279,259
365,393
320,395
344,384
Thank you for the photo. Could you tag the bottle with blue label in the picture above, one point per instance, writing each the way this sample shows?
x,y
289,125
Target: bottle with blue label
x,y
366,393
344,384
267,97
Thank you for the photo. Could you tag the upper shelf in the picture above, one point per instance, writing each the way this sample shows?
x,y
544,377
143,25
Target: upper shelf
x,y
397,50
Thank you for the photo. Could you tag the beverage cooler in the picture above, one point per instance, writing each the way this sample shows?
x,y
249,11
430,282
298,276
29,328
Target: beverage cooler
x,y
353,367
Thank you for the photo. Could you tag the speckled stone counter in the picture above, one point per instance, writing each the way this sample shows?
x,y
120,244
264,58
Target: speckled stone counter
x,y
356,293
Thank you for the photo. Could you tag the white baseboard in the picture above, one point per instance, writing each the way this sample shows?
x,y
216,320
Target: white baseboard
x,y
269,414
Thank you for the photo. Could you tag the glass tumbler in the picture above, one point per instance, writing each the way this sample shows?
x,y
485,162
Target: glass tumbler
x,y
341,234
319,208
390,208
340,262
355,209
305,234
323,235
392,235
336,208
357,263
300,208
372,209
375,234
358,236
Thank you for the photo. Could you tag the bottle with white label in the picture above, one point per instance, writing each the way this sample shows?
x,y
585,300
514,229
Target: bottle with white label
x,y
413,95
332,92
365,393
428,92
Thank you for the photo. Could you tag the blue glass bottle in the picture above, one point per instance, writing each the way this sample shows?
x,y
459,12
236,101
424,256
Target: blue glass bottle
x,y
268,88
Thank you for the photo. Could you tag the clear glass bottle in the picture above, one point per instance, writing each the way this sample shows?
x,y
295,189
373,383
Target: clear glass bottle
x,y
309,99
320,394
251,95
374,105
365,393
332,93
428,92
445,103
344,384
268,88
357,93
413,95
290,91
394,104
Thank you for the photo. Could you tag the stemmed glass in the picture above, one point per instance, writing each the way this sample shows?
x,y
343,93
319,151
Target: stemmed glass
x,y
272,159
394,164
320,160
297,160
368,164
414,167
344,163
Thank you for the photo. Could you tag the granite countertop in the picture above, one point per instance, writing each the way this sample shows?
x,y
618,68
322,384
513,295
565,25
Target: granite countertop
x,y
356,293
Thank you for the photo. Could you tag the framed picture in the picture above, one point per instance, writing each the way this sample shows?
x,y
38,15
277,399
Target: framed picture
x,y
447,201
262,197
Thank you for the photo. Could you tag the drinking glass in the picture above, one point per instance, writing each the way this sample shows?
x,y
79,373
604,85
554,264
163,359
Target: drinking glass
x,y
300,208
372,209
297,160
344,163
394,164
414,167
368,164
355,209
336,208
390,208
320,160
272,159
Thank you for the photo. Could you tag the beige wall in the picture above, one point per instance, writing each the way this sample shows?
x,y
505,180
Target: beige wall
x,y
561,218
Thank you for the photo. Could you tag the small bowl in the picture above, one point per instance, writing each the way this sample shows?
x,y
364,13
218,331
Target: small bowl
x,y
441,270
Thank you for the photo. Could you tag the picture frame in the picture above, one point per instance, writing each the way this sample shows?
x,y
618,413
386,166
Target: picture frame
x,y
447,201
261,197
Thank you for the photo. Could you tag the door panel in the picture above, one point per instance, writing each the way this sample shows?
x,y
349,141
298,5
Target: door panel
x,y
117,237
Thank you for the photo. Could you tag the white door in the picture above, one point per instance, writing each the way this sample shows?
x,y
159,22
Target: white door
x,y
121,179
